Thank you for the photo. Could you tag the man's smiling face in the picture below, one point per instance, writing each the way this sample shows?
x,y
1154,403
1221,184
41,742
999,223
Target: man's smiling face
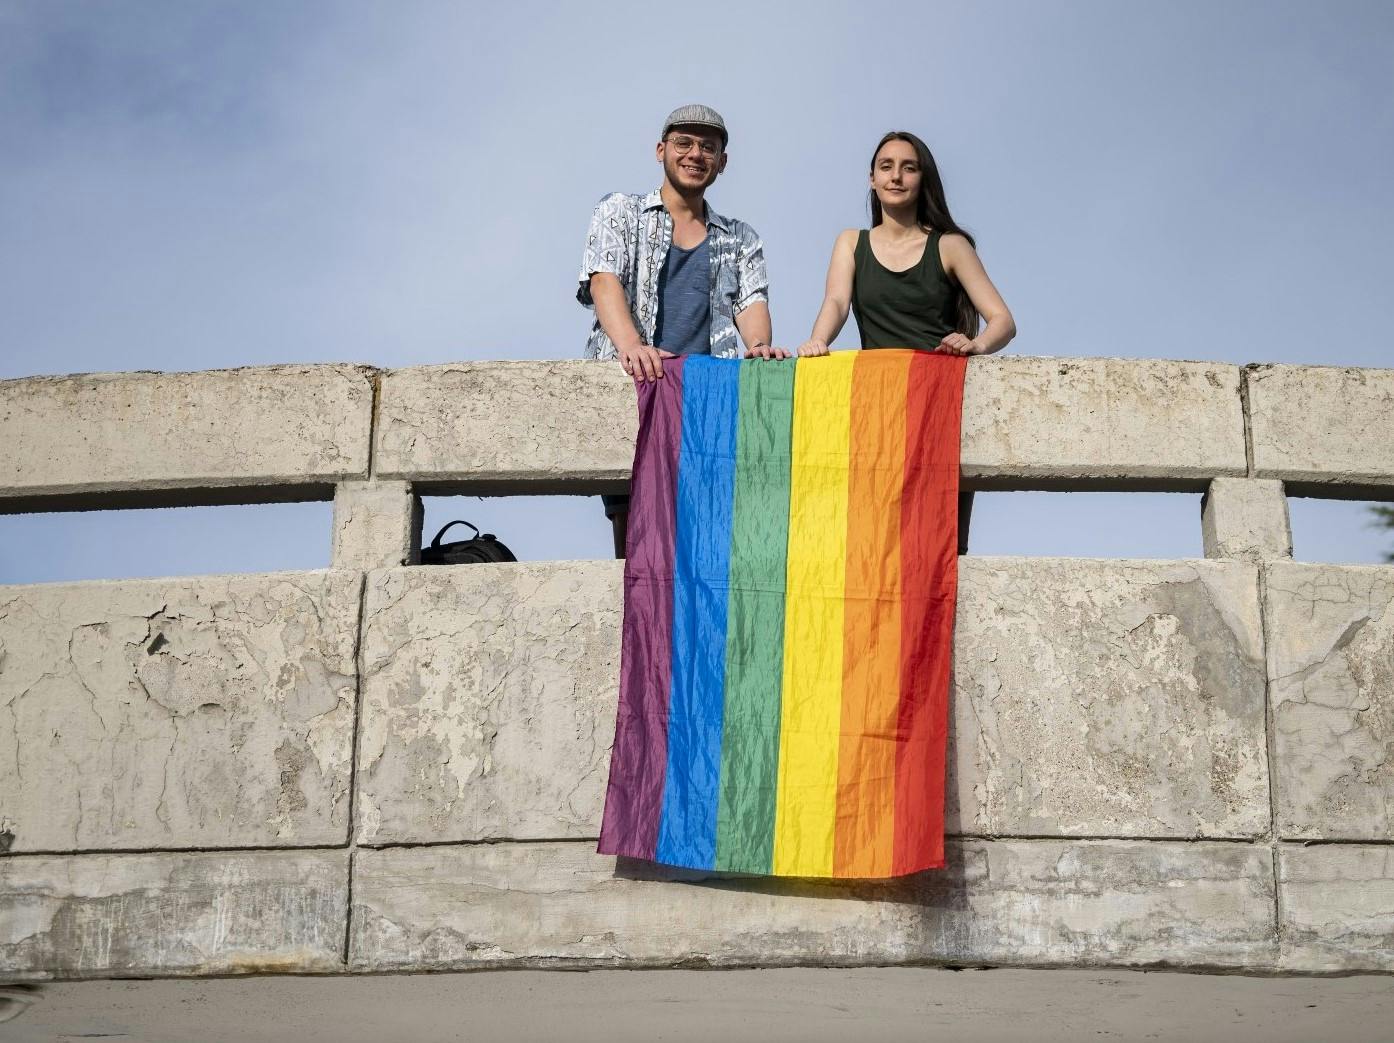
x,y
692,157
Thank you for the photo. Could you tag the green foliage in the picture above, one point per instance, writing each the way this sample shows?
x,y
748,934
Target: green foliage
x,y
1384,518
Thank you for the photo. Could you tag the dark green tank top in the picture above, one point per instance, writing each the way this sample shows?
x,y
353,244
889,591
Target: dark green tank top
x,y
909,309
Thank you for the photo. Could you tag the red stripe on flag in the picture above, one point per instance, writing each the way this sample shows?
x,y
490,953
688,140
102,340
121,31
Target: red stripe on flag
x,y
929,578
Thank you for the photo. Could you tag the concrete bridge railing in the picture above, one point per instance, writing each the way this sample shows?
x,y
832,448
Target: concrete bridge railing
x,y
378,766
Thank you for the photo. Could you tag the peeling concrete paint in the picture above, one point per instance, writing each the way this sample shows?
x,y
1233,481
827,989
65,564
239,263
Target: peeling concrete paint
x,y
1107,698
489,700
207,712
1331,659
1092,699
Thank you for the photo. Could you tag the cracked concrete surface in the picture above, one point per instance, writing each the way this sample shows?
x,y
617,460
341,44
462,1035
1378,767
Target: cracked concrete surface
x,y
1107,698
1028,416
145,431
376,525
1331,660
214,913
565,421
1246,518
1091,698
489,696
1322,423
181,713
506,421
1023,902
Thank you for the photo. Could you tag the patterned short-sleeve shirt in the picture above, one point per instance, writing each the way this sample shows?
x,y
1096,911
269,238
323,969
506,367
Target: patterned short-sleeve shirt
x,y
630,236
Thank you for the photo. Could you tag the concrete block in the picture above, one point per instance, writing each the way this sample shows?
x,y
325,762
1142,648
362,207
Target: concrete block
x,y
1331,670
1118,698
1322,424
1246,518
489,696
1091,698
505,425
97,916
1337,907
570,426
106,433
377,525
1086,422
1011,902
214,711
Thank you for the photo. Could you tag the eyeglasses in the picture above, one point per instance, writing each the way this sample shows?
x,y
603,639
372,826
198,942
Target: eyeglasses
x,y
682,145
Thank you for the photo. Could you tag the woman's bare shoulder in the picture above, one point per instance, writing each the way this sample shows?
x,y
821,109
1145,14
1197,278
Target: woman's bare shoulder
x,y
846,239
957,242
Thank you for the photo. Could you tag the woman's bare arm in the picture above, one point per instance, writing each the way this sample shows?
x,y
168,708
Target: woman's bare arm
x,y
961,262
837,296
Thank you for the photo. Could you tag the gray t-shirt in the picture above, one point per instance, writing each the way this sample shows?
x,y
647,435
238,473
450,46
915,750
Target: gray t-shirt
x,y
684,301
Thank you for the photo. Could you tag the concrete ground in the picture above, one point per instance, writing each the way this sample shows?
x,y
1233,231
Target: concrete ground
x,y
769,1006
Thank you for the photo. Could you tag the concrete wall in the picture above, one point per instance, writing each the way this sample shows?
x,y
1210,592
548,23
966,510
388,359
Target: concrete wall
x,y
232,436
385,767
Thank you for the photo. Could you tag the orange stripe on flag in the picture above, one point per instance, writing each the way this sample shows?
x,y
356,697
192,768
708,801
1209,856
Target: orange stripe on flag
x,y
865,839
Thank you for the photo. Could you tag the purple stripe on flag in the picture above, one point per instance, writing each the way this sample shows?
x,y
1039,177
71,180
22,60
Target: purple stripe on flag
x,y
634,800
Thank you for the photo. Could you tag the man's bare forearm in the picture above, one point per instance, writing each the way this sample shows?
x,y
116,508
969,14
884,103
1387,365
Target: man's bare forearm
x,y
612,309
754,325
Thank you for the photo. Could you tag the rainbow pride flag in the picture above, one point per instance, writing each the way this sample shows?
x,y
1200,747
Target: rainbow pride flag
x,y
788,616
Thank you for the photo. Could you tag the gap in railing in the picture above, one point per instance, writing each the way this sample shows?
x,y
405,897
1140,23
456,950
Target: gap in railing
x,y
1086,524
534,528
1343,532
163,541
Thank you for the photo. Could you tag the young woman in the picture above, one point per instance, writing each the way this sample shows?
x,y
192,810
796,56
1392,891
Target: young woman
x,y
914,279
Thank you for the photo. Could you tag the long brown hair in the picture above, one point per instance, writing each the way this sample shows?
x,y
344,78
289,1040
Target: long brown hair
x,y
932,214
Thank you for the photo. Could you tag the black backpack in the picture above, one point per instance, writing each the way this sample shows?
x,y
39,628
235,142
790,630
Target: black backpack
x,y
483,547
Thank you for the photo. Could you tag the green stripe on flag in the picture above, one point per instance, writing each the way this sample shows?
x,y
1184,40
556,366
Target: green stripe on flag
x,y
755,622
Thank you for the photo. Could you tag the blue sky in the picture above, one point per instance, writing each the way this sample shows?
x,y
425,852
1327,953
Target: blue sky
x,y
188,185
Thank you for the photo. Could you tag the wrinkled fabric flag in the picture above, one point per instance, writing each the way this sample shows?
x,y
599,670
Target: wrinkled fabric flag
x,y
788,616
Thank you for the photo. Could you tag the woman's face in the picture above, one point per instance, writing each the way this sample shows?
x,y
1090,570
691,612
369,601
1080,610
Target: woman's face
x,y
895,175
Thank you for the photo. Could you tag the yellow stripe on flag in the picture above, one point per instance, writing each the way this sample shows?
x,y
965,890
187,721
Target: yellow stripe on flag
x,y
806,811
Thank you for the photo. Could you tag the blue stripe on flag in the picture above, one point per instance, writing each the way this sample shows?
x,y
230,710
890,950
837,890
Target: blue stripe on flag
x,y
702,560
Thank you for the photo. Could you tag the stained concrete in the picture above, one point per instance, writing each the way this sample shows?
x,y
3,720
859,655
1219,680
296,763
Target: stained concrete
x,y
1159,423
489,696
1107,698
1013,902
1246,518
1331,660
1322,424
570,426
1090,698
377,524
805,1005
203,712
93,433
1337,907
495,424
220,912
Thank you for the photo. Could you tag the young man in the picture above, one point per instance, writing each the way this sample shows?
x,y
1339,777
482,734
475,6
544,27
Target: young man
x,y
669,276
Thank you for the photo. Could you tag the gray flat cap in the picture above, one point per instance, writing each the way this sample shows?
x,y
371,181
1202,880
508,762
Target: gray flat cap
x,y
695,116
